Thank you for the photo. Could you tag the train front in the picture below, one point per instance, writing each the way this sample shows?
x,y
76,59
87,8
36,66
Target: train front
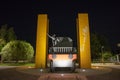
x,y
62,54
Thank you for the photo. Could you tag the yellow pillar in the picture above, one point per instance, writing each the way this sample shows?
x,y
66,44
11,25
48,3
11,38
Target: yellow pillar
x,y
83,39
41,41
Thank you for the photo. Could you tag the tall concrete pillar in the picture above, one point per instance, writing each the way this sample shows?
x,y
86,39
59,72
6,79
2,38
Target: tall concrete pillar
x,y
83,40
41,41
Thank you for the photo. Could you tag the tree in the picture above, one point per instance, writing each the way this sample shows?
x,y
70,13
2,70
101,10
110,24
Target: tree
x,y
6,35
3,31
106,56
2,43
95,47
10,34
104,42
17,50
97,42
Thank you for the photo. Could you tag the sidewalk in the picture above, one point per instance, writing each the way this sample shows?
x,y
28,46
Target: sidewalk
x,y
110,65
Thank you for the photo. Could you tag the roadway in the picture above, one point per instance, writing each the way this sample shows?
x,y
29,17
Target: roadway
x,y
99,72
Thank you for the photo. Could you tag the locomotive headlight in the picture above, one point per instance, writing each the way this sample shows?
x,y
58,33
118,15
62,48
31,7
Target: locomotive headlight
x,y
62,63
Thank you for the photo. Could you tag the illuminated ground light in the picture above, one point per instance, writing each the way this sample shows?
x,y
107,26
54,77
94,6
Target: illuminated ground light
x,y
62,74
41,70
29,67
83,70
97,67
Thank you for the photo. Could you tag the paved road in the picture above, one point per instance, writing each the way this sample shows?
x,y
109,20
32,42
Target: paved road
x,y
67,76
11,73
113,75
6,67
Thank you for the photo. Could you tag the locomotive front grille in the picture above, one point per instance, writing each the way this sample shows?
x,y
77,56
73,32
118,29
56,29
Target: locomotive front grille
x,y
62,49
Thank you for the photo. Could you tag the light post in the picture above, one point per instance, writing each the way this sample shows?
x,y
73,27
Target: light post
x,y
118,45
118,59
102,49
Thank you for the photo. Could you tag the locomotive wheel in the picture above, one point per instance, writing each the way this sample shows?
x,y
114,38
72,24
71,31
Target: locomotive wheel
x,y
51,67
73,67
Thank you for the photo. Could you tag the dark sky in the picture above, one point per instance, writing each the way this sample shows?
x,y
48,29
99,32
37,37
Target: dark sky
x,y
104,17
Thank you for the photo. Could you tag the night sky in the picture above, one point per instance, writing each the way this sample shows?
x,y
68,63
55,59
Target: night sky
x,y
104,17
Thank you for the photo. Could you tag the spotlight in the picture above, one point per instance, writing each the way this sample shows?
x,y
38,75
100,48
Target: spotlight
x,y
29,67
83,70
97,67
62,74
41,70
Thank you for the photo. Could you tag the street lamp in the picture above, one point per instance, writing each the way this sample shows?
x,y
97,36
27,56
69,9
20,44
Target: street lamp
x,y
118,44
102,49
118,55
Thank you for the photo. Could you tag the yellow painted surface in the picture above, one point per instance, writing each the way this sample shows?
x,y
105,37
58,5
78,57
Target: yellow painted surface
x,y
83,39
41,41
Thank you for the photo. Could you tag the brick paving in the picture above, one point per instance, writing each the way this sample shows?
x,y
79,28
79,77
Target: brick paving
x,y
15,74
59,76
12,74
113,75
